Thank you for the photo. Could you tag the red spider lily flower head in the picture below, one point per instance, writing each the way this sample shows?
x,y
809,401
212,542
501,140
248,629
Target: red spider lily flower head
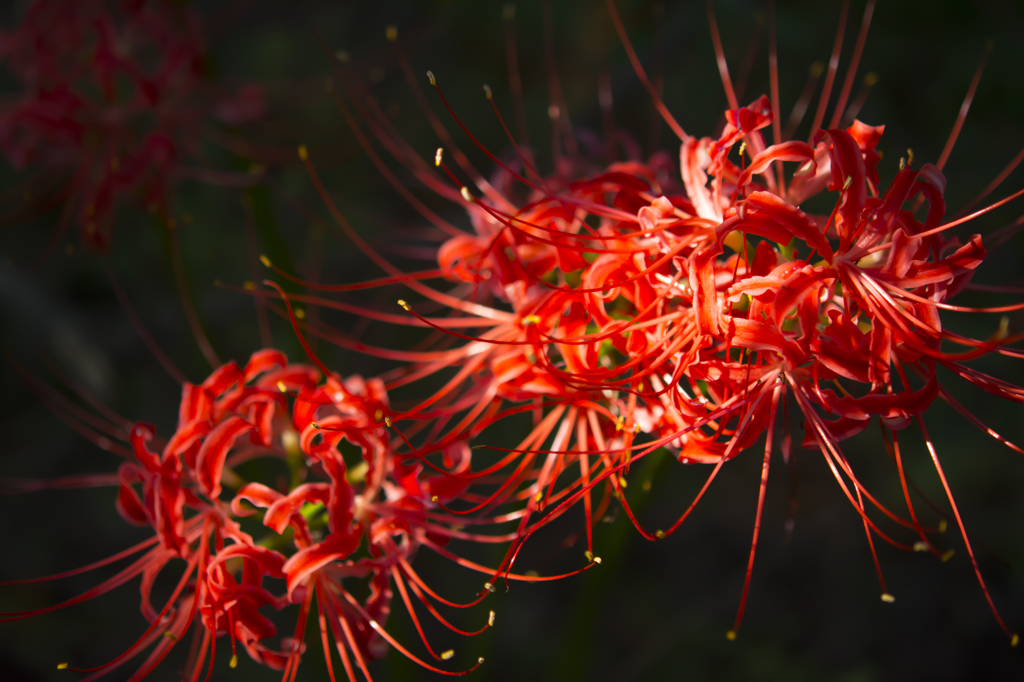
x,y
190,493
113,94
612,301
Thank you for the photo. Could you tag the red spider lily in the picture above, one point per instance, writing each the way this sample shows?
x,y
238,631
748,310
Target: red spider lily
x,y
113,94
628,315
317,528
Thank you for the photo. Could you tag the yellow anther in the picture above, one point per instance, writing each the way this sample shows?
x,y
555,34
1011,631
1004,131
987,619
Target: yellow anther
x,y
903,163
538,497
619,422
589,555
478,447
730,635
490,619
430,76
438,156
281,387
374,624
622,482
391,33
910,157
402,303
942,525
659,534
888,598
303,152
265,261
465,194
343,56
387,420
300,313
447,654
249,285
743,147
531,319
434,498
597,560
1015,640
480,661
487,90
920,546
314,425
948,555
62,666
870,79
847,182
233,663
489,587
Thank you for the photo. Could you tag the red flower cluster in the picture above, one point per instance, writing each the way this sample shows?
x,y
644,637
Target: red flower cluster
x,y
113,96
363,520
621,309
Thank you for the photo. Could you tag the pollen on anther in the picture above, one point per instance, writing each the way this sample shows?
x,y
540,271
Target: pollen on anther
x,y
402,303
391,33
465,194
447,654
942,526
659,534
948,555
314,425
281,387
490,619
1015,640
848,182
487,90
730,635
490,587
438,156
265,261
888,598
430,76
303,152
374,624
480,660
62,666
233,663
387,420
434,498
920,546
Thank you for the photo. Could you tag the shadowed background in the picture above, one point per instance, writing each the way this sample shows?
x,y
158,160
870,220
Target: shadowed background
x,y
650,611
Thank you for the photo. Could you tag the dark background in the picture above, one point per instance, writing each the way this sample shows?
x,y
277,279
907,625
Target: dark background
x,y
650,611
